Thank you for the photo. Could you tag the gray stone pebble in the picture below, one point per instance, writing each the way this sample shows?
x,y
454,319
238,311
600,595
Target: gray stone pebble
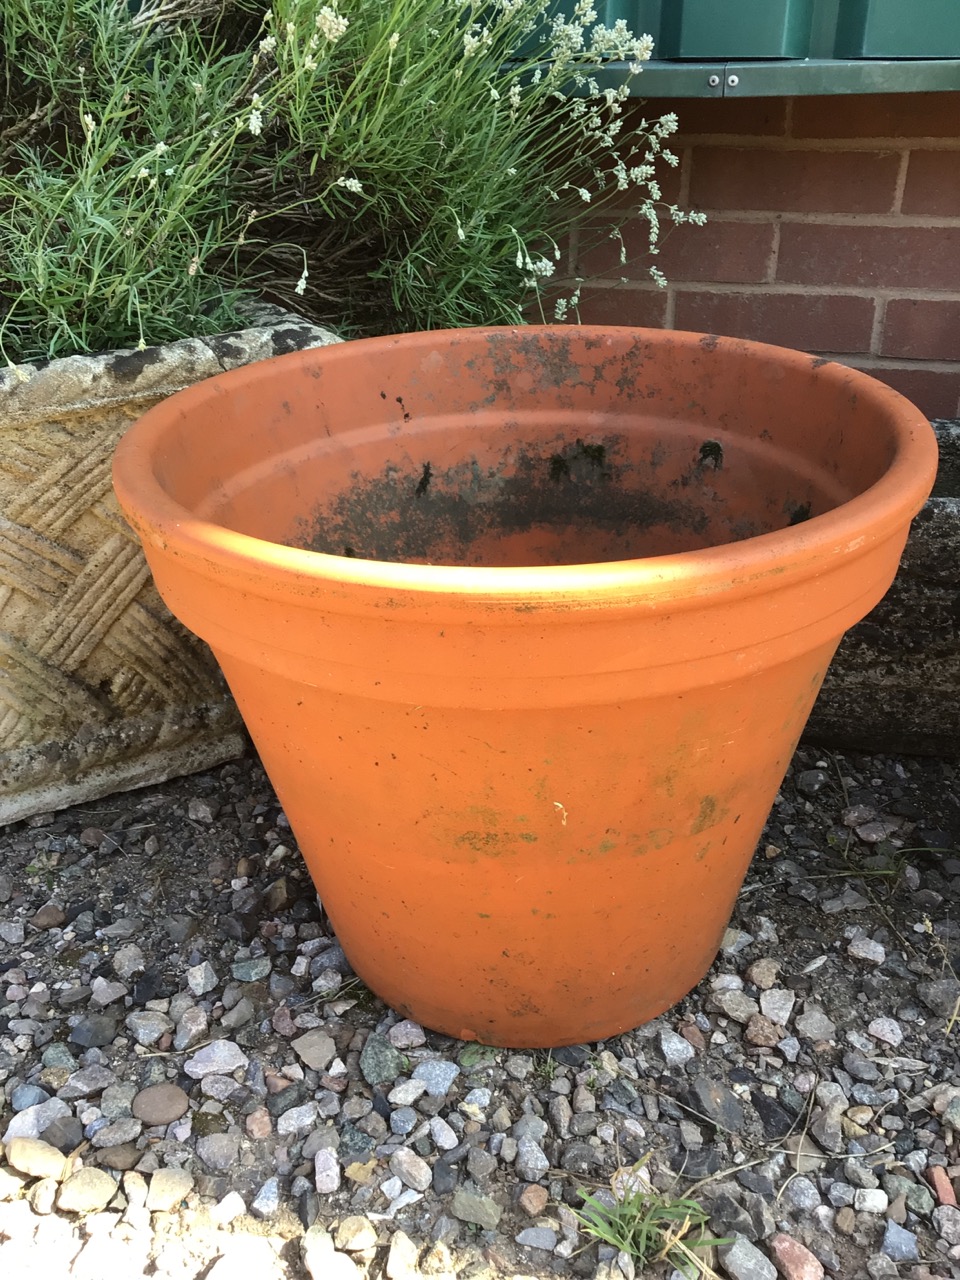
x,y
481,1210
940,996
917,1196
802,1194
676,1051
442,1134
867,1200
531,1162
777,1004
219,1151
86,1082
202,978
28,1095
32,1121
297,1120
406,1035
128,962
121,1131
411,1169
147,1027
813,1024
315,1049
946,1222
219,1058
538,1238
867,950
744,1261
266,1203
407,1093
437,1075
481,1164
94,1031
899,1244
887,1031
252,970
191,1028
403,1121
736,1005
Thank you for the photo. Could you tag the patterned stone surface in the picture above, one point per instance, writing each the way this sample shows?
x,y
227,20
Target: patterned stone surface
x,y
101,689
894,684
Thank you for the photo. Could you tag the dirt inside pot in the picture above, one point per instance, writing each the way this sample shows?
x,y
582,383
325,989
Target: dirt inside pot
x,y
567,499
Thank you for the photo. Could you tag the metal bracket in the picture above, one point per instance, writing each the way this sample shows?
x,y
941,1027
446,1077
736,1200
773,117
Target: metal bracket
x,y
786,78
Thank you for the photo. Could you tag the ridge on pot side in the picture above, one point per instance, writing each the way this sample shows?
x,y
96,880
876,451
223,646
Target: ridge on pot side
x,y
525,624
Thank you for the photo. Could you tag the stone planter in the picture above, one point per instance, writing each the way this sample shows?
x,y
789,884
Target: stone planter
x,y
101,689
894,684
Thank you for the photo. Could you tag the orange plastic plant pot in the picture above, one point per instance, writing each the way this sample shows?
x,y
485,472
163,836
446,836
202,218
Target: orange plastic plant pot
x,y
525,625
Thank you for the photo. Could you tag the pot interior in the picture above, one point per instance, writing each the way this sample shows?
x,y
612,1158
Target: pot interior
x,y
445,460
563,495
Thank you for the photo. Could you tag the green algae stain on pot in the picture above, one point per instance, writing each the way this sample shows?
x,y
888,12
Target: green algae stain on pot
x,y
707,816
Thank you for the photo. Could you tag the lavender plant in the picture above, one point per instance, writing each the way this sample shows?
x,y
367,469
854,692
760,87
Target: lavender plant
x,y
380,165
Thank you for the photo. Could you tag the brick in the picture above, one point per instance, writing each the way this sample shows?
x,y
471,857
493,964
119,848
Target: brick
x,y
644,307
793,181
720,252
922,329
882,115
887,257
736,117
818,322
933,183
935,392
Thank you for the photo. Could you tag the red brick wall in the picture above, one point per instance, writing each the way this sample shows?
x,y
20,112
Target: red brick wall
x,y
834,226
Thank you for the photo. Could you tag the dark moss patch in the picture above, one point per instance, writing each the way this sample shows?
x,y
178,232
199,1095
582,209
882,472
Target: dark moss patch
x,y
127,366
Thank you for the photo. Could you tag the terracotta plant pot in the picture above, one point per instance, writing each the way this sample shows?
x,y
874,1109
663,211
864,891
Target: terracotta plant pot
x,y
525,625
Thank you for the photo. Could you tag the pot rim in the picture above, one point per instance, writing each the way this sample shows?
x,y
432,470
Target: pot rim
x,y
739,568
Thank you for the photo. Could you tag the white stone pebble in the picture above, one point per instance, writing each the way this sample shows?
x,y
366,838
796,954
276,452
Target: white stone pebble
x,y
869,1200
406,1035
411,1169
406,1093
202,978
219,1058
326,1170
777,1005
868,950
230,1207
887,1031
443,1136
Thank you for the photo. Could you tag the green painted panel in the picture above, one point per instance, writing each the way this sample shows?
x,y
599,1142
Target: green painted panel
x,y
735,28
641,16
898,29
784,78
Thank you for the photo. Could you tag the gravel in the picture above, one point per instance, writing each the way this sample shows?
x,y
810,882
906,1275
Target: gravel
x,y
194,1082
